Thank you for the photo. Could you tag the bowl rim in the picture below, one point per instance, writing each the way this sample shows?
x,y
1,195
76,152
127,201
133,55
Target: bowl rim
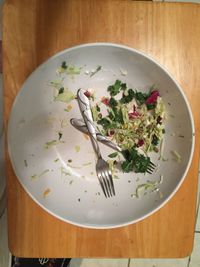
x,y
115,45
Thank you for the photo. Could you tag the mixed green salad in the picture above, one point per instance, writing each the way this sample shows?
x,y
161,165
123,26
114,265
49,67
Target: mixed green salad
x,y
132,119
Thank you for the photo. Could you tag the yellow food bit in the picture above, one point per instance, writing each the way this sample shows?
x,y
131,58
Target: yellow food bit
x,y
176,155
77,148
34,177
63,123
46,192
69,107
87,163
86,136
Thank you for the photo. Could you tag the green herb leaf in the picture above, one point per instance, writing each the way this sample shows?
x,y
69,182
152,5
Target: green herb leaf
x,y
112,102
105,123
127,98
64,65
60,135
113,155
115,88
151,106
127,166
141,164
134,161
98,108
141,97
61,90
155,140
123,86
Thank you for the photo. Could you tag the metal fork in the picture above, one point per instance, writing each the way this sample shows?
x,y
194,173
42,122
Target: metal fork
x,y
79,125
102,168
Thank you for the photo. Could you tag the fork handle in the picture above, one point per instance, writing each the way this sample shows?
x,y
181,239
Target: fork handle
x,y
80,125
84,106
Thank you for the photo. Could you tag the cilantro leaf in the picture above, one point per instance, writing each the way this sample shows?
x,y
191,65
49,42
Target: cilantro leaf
x,y
61,90
113,155
64,65
115,88
127,166
134,161
112,102
127,98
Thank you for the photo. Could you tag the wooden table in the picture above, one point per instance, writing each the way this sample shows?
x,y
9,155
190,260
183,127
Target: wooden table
x,y
33,31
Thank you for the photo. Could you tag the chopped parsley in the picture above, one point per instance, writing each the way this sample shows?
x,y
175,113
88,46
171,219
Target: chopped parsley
x,y
64,65
61,90
60,135
134,161
113,155
115,88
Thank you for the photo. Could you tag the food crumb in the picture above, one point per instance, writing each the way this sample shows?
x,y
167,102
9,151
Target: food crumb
x,y
87,72
34,176
87,163
123,72
176,156
25,163
86,136
133,195
77,148
68,108
63,123
60,135
46,192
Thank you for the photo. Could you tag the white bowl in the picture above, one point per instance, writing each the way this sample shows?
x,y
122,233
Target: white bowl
x,y
70,191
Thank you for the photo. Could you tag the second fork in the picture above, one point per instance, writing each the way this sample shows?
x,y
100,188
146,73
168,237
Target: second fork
x,y
102,168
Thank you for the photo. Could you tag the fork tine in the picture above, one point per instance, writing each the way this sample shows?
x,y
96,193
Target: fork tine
x,y
106,184
152,164
102,184
111,182
150,168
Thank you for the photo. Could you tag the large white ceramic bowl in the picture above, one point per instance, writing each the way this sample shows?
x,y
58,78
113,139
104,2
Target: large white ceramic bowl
x,y
61,178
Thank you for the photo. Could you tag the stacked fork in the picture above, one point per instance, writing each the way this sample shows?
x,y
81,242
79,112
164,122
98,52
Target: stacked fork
x,y
102,168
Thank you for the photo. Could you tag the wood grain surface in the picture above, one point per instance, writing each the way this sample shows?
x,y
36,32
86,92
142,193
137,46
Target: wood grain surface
x,y
34,30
